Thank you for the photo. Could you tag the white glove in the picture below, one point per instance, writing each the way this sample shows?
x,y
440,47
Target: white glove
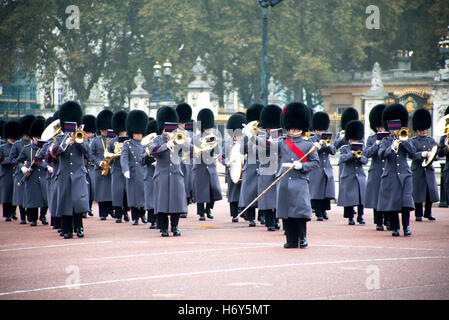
x,y
378,142
247,131
425,154
317,145
395,145
50,169
25,170
126,174
298,165
170,144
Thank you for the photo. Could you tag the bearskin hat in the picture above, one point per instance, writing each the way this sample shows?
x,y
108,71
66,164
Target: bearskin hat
x,y
253,112
395,112
89,122
375,117
422,119
206,116
152,126
236,121
70,111
184,111
136,122
119,121
104,120
165,114
36,128
48,121
320,121
56,115
2,125
270,117
296,115
354,130
26,122
348,115
12,130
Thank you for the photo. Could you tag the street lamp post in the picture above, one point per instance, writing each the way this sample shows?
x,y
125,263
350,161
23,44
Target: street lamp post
x,y
157,76
264,81
167,74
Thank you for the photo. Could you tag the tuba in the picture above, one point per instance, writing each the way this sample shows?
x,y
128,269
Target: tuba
x,y
108,157
52,130
207,143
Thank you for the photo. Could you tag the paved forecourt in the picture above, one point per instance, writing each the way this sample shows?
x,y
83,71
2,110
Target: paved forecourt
x,y
218,259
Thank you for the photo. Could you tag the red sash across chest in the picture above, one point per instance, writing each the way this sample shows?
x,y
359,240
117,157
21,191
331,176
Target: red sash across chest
x,y
295,150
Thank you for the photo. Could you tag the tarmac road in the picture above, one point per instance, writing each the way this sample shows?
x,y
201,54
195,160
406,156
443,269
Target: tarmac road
x,y
220,260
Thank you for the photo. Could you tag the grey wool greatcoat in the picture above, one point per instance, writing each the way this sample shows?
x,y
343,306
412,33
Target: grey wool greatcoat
x,y
52,198
423,178
248,191
396,181
148,184
102,184
268,167
233,190
374,172
131,160
118,183
70,180
292,193
90,165
352,179
6,174
169,189
17,199
444,152
322,184
206,186
35,186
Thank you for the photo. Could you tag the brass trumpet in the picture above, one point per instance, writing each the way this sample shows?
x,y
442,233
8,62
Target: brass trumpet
x,y
79,136
358,153
305,135
177,137
402,135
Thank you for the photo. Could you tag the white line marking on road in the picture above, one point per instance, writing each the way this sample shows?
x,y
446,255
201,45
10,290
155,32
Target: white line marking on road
x,y
378,290
177,252
195,273
55,246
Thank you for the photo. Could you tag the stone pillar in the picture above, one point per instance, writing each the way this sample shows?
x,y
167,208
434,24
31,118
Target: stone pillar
x,y
139,98
440,96
199,91
272,98
374,96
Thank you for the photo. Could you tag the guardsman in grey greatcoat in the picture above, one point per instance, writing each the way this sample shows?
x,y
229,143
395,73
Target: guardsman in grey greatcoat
x,y
34,170
2,138
131,163
270,120
250,169
206,186
184,111
443,151
234,127
25,123
90,128
396,182
322,184
12,133
353,178
71,176
425,187
102,184
169,190
149,164
293,197
118,181
377,165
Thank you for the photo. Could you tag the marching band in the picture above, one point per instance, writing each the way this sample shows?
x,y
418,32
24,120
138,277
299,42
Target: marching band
x,y
276,160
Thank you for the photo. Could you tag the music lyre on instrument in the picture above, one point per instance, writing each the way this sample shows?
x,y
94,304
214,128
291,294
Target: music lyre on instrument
x,y
276,181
